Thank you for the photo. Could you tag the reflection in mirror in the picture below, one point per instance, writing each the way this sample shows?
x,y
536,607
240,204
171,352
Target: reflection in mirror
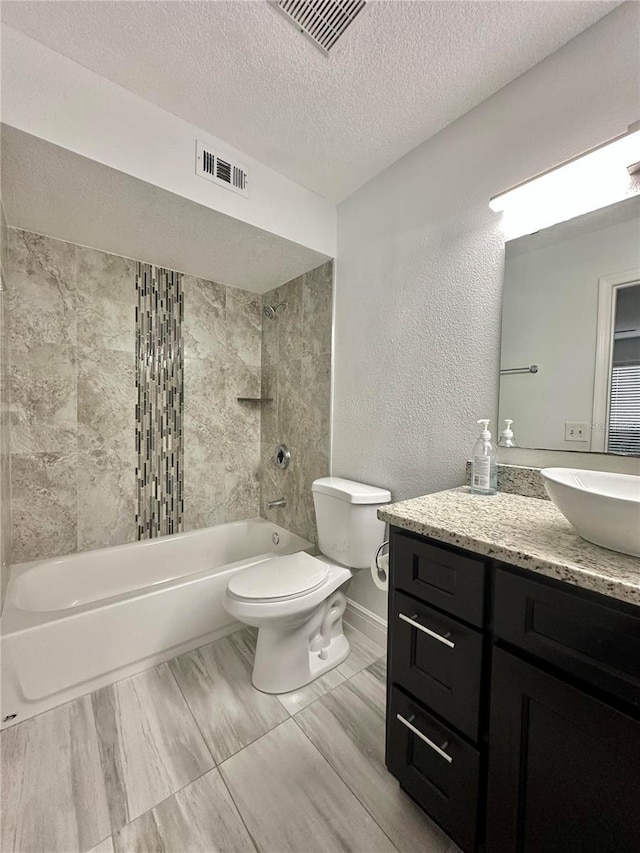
x,y
571,307
623,403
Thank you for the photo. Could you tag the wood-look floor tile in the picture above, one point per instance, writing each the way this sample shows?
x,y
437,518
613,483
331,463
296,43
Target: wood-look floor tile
x,y
201,817
216,682
364,652
348,727
291,799
379,670
371,684
149,742
296,700
53,796
105,846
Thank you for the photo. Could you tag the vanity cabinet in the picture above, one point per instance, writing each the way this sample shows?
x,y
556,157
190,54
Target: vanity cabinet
x,y
513,704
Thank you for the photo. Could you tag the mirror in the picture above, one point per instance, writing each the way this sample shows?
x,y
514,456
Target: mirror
x,y
570,355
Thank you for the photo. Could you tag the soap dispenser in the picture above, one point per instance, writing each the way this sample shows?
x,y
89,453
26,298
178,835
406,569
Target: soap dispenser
x,y
506,436
484,474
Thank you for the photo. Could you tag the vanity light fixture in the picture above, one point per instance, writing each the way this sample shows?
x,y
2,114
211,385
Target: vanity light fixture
x,y
595,179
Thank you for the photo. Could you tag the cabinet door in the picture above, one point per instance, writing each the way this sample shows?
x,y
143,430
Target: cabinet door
x,y
564,768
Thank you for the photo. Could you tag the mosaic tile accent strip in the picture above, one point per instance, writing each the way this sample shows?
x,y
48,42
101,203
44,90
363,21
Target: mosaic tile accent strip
x,y
160,403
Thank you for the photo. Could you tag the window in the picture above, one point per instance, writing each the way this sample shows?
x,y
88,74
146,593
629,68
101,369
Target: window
x,y
624,396
624,412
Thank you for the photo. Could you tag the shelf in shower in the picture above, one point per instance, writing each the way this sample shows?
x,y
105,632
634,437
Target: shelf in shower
x,y
255,399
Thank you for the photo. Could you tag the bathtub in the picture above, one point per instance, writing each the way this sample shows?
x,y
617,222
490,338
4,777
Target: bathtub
x,y
73,624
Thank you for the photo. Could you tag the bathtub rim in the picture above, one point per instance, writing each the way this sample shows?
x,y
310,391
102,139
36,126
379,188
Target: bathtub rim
x,y
15,619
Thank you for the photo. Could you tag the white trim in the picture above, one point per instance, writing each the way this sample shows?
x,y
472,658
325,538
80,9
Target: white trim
x,y
604,347
368,623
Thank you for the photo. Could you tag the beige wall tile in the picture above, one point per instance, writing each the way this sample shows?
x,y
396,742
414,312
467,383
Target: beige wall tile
x,y
106,402
297,374
42,297
204,327
72,319
5,427
244,312
289,320
317,310
205,497
106,499
106,301
43,505
43,407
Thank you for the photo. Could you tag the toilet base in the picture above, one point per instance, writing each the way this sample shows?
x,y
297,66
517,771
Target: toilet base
x,y
277,679
293,652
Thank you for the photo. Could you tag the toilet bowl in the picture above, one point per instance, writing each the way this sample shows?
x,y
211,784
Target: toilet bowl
x,y
297,601
300,634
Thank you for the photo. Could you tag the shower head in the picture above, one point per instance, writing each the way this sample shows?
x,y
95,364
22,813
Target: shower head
x,y
270,311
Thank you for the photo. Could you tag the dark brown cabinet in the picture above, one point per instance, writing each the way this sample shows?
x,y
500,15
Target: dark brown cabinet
x,y
564,768
513,706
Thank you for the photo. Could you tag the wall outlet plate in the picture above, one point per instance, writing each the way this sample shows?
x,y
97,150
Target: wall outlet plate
x,y
576,431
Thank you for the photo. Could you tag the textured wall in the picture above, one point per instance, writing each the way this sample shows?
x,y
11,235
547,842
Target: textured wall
x,y
420,266
73,398
5,454
296,373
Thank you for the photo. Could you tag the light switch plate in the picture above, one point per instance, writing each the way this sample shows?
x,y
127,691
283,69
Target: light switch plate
x,y
576,431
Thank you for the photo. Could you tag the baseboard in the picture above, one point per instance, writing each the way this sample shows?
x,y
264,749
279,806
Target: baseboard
x,y
366,622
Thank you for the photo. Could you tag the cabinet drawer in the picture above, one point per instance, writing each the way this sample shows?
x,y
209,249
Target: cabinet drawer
x,y
439,660
435,766
592,640
451,581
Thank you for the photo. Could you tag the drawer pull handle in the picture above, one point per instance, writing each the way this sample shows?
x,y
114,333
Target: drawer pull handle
x,y
430,743
428,631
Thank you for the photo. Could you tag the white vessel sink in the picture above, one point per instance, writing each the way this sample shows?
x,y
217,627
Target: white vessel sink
x,y
604,508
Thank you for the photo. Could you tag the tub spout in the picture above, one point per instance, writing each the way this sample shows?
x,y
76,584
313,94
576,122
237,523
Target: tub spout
x,y
277,503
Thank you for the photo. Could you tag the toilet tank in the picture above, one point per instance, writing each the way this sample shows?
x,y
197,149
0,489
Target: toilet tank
x,y
349,530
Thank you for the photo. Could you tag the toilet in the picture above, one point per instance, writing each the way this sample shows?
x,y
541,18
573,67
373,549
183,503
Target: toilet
x,y
297,601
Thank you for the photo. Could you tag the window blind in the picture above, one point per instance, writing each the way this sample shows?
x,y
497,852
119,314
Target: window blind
x,y
624,414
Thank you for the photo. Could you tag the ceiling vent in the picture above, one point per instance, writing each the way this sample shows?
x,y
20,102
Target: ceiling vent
x,y
323,21
221,170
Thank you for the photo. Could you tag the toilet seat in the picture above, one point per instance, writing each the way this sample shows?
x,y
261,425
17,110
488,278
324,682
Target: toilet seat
x,y
279,579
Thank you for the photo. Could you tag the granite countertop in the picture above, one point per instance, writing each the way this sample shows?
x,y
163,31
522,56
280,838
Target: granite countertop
x,y
526,532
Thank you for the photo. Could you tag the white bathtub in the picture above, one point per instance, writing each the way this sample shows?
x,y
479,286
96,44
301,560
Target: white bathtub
x,y
73,624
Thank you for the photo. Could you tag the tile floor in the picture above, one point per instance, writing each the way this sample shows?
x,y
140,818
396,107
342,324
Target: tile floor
x,y
188,757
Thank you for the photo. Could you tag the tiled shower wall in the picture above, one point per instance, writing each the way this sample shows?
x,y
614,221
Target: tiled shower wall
x,y
5,514
296,373
73,399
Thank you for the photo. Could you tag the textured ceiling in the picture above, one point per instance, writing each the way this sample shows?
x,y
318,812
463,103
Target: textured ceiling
x,y
241,71
52,191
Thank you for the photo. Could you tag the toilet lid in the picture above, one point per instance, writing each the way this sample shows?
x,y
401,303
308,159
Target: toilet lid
x,y
281,577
